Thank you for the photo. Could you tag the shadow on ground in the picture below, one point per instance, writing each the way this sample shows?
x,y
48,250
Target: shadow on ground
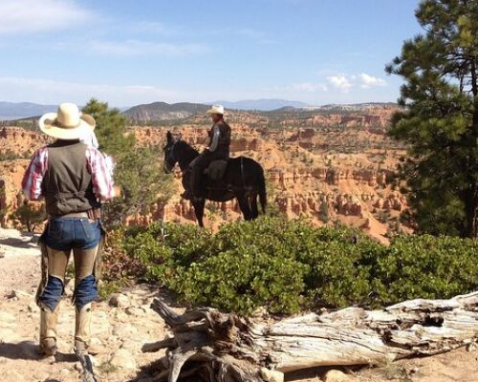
x,y
20,243
28,350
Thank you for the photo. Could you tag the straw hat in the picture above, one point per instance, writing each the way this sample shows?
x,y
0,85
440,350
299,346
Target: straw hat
x,y
216,109
68,123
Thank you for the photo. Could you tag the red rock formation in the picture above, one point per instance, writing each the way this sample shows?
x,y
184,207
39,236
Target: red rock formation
x,y
306,166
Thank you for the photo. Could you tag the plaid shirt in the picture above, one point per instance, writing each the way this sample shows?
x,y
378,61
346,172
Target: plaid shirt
x,y
95,163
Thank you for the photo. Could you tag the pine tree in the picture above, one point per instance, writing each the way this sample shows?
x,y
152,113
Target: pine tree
x,y
110,128
439,120
138,172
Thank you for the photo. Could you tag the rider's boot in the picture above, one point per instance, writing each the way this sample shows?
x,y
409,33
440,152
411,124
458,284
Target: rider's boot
x,y
48,321
82,329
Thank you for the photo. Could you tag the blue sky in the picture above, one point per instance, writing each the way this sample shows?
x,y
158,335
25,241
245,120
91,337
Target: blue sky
x,y
128,52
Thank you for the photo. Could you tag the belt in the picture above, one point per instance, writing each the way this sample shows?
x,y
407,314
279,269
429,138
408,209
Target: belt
x,y
75,215
93,214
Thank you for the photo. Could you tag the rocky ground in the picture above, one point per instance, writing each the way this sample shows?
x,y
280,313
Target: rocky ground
x,y
120,327
124,324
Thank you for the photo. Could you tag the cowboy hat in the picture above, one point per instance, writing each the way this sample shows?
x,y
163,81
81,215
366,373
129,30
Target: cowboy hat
x,y
216,109
68,123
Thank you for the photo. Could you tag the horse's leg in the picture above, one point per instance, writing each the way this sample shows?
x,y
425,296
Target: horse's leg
x,y
254,209
244,206
198,205
186,181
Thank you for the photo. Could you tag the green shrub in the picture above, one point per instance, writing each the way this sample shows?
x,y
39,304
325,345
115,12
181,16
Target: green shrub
x,y
426,267
287,266
29,215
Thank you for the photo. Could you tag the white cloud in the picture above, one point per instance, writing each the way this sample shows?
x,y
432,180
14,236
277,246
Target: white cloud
x,y
341,82
346,82
31,16
144,48
368,81
310,87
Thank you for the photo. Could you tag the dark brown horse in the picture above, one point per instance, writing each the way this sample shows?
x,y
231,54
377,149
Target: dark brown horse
x,y
243,179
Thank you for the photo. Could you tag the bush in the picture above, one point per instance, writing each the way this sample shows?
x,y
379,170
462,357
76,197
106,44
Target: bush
x,y
425,267
29,214
288,266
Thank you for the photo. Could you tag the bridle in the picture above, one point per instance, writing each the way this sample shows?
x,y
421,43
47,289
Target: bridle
x,y
170,157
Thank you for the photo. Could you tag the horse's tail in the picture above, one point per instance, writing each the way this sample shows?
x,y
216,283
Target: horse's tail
x,y
262,190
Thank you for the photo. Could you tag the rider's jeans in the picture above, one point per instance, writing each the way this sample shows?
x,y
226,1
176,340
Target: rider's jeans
x,y
64,235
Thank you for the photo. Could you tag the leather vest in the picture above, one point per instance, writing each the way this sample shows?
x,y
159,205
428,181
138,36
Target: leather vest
x,y
68,185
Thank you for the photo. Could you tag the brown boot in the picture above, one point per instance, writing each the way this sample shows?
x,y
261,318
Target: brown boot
x,y
82,329
48,320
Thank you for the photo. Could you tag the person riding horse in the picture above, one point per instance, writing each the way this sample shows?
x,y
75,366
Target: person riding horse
x,y
218,149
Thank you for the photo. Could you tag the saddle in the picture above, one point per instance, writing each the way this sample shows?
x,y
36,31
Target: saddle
x,y
216,170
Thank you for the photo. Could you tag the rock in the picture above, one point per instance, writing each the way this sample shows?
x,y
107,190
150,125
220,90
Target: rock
x,y
271,375
336,376
40,376
70,288
33,307
123,359
64,372
119,300
121,316
124,331
12,375
96,346
6,317
8,333
472,347
100,315
134,311
132,346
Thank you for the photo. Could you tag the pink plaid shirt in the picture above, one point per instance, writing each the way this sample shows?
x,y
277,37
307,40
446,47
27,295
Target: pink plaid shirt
x,y
95,162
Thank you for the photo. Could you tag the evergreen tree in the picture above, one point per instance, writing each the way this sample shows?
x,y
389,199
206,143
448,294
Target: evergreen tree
x,y
439,120
324,214
138,172
110,128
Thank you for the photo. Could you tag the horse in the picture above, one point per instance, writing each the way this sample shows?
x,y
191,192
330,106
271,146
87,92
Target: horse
x,y
243,179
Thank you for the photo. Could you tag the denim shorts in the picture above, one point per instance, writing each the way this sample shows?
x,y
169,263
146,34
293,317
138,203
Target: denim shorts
x,y
66,233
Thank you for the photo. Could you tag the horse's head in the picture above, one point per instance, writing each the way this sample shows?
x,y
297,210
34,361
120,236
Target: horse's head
x,y
170,155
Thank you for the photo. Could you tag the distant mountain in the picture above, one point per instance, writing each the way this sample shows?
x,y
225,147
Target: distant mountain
x,y
261,104
351,107
162,111
12,110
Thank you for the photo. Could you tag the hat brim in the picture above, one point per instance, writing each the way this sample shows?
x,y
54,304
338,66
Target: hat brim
x,y
49,125
212,112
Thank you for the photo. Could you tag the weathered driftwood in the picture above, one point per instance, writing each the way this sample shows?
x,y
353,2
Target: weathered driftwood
x,y
211,346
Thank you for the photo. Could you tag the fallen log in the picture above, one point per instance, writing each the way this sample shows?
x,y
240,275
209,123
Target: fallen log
x,y
208,345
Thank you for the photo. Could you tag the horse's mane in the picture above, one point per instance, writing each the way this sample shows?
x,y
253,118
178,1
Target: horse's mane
x,y
186,147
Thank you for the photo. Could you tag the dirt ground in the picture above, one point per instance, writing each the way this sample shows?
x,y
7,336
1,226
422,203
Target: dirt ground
x,y
120,331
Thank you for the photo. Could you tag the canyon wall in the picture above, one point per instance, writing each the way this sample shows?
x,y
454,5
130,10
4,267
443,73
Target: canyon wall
x,y
329,168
